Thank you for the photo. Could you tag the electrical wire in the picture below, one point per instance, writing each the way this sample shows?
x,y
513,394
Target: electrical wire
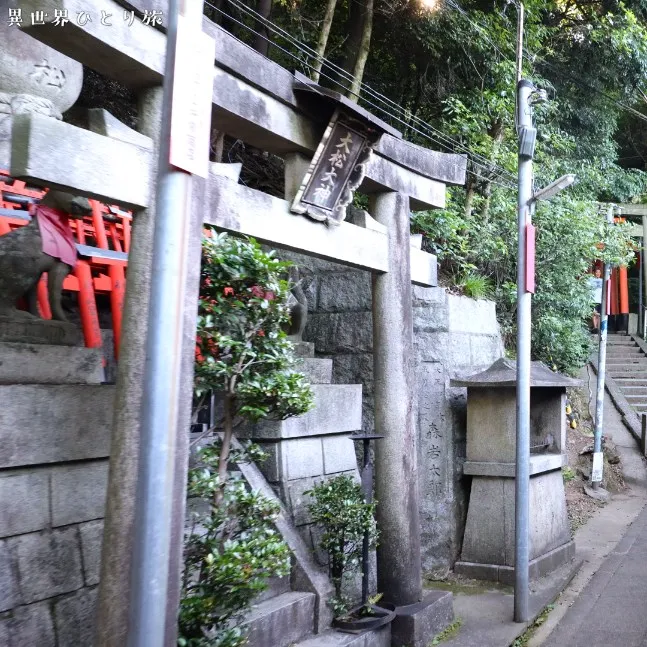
x,y
445,140
436,136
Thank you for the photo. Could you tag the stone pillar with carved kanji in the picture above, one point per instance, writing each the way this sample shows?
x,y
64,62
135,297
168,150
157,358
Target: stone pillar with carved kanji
x,y
34,78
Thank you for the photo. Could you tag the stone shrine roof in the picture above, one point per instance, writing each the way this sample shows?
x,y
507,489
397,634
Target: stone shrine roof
x,y
503,373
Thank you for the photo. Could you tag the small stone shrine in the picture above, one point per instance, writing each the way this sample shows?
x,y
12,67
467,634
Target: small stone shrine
x,y
488,544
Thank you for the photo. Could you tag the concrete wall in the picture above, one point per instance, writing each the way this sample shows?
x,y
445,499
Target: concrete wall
x,y
52,498
453,336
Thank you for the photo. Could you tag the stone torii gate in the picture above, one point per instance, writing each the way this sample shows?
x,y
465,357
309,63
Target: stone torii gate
x,y
255,101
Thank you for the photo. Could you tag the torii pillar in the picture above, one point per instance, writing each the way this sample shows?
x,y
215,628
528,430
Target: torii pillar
x,y
399,570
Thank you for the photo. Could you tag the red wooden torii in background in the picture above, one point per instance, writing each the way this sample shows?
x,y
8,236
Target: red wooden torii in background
x,y
103,242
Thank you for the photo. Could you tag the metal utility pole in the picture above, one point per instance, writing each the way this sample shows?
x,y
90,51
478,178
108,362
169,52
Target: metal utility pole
x,y
598,463
522,469
162,372
526,134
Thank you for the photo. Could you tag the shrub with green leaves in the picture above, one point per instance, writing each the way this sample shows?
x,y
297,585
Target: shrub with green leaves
x,y
242,353
339,509
232,550
571,234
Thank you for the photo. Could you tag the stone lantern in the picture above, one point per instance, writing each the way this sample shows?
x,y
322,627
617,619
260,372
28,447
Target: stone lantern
x,y
34,78
489,541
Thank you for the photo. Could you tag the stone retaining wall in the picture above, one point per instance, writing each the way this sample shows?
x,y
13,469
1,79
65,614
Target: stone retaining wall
x,y
51,512
453,336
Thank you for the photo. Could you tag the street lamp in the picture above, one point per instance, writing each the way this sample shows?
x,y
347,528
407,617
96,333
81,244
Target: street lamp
x,y
527,96
554,188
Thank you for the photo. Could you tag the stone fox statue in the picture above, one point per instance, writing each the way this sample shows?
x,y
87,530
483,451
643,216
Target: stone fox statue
x,y
298,304
44,245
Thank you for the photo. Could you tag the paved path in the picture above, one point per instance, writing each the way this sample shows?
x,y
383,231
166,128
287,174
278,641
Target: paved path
x,y
611,611
610,608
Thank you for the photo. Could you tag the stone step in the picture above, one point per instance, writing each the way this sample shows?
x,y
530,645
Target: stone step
x,y
304,348
626,364
625,353
634,391
275,586
281,621
635,399
317,371
47,364
622,382
379,638
338,409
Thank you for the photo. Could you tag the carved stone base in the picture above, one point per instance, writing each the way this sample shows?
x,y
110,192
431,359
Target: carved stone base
x,y
39,331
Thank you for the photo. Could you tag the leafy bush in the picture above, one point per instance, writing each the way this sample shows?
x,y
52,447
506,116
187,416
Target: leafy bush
x,y
571,234
230,553
244,356
339,508
241,350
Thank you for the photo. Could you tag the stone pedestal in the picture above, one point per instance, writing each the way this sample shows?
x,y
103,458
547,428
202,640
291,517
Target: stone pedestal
x,y
31,330
489,541
416,624
34,78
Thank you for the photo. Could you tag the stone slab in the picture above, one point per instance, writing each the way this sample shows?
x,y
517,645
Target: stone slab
x,y
317,371
302,457
24,502
46,151
91,539
29,625
49,563
382,175
539,567
132,54
416,625
338,454
282,620
74,618
9,591
239,209
379,638
338,409
39,331
538,465
79,492
48,364
49,424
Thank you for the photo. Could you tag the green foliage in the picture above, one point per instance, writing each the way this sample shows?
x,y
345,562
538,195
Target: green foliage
x,y
339,508
571,234
241,349
230,553
567,474
450,631
475,285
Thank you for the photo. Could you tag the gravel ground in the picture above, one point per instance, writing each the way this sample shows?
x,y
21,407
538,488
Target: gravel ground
x,y
579,505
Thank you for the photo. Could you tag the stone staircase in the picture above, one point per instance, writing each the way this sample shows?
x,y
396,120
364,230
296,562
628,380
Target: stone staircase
x,y
303,451
627,366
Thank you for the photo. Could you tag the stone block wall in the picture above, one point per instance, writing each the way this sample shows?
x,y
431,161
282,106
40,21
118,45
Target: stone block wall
x,y
307,450
53,480
453,336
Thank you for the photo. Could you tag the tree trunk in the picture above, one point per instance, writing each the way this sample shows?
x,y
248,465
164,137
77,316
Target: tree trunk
x,y
262,39
225,449
323,39
358,43
469,196
496,132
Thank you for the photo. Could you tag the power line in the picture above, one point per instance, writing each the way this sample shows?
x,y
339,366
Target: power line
x,y
436,136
